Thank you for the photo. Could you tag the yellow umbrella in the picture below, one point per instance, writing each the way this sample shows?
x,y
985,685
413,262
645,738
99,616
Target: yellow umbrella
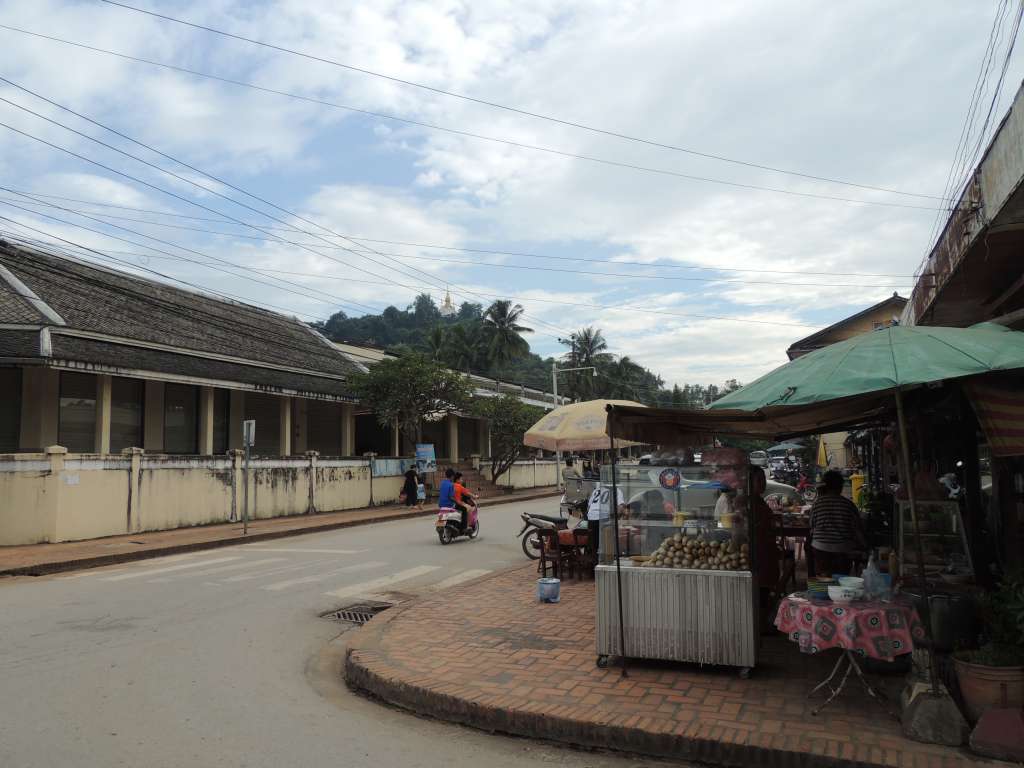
x,y
822,455
575,427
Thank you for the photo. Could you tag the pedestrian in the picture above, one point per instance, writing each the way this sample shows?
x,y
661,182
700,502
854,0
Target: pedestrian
x,y
408,494
421,492
837,531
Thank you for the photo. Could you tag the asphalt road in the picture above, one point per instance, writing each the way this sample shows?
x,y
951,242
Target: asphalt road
x,y
221,658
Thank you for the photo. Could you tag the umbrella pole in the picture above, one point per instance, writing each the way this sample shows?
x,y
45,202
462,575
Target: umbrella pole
x,y
927,618
618,555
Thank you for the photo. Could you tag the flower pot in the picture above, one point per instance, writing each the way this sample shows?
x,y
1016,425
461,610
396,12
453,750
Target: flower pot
x,y
983,687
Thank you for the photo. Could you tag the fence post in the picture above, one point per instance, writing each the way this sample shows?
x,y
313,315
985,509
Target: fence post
x,y
55,455
236,481
133,523
312,456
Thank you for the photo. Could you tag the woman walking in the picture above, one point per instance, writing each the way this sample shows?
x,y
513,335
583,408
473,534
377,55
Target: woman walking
x,y
409,488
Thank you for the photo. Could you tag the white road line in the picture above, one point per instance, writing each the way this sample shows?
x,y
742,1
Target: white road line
x,y
321,576
154,571
255,548
460,578
221,568
386,581
281,569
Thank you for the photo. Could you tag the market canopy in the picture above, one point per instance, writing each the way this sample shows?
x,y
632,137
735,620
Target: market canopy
x,y
576,427
786,447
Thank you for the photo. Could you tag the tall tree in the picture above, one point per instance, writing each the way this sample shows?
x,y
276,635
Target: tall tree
x,y
436,342
407,389
507,420
621,379
464,346
505,341
587,348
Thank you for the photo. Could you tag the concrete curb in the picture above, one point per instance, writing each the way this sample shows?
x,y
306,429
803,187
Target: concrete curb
x,y
114,558
366,671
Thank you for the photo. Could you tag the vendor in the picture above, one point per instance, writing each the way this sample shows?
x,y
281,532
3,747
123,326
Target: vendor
x,y
836,528
599,509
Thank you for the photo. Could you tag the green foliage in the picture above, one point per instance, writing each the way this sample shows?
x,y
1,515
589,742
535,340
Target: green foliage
x,y
409,388
508,419
504,333
1003,614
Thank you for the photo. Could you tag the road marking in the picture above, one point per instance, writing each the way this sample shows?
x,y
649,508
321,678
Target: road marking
x,y
386,581
280,569
254,548
221,568
321,576
460,578
154,571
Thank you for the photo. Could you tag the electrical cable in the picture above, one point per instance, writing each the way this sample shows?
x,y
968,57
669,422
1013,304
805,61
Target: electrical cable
x,y
519,111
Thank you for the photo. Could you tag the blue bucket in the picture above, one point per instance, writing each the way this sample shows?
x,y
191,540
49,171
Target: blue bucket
x,y
548,590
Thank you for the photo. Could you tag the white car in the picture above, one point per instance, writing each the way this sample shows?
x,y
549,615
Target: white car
x,y
759,458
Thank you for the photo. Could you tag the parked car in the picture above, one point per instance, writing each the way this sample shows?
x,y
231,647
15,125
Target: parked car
x,y
759,458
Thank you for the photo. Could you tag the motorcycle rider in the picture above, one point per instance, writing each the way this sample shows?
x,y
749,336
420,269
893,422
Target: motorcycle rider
x,y
462,498
446,493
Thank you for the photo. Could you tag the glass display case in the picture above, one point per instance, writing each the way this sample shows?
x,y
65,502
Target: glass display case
x,y
685,564
943,541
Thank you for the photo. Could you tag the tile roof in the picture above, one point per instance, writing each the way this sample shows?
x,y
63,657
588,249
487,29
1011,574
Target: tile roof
x,y
100,300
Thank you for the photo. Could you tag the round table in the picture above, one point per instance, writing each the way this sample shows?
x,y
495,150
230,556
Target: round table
x,y
863,629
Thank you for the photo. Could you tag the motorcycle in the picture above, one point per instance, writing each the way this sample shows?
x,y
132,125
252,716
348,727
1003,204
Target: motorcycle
x,y
449,524
807,490
530,537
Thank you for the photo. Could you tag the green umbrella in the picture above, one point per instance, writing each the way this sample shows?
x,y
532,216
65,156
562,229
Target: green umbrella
x,y
880,362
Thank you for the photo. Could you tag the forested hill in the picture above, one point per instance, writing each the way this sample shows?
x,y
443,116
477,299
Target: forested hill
x,y
466,340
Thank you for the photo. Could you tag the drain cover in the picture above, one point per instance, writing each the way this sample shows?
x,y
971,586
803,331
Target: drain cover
x,y
357,613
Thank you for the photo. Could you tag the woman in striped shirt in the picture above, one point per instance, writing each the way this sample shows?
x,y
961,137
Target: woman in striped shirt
x,y
836,528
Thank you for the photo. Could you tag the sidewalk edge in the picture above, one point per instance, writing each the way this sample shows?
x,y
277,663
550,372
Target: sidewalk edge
x,y
115,558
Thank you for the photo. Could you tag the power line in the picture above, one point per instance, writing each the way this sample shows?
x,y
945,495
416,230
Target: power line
x,y
516,110
360,239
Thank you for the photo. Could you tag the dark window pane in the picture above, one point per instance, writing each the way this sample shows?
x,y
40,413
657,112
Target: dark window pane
x,y
126,397
10,409
221,419
77,415
265,410
323,428
181,403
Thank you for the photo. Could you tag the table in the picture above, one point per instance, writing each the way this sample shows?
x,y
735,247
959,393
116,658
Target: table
x,y
874,629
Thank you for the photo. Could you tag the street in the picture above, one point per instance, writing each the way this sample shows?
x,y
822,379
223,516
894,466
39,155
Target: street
x,y
221,657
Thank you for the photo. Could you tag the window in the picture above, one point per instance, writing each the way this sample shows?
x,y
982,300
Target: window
x,y
77,415
10,409
221,420
323,428
181,406
126,413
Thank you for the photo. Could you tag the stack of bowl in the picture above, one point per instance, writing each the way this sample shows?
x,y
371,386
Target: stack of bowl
x,y
850,588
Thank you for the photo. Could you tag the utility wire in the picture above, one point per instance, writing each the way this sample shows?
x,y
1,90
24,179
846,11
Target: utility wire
x,y
360,239
515,110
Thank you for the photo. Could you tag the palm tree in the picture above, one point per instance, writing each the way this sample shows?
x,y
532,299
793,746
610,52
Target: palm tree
x,y
437,342
504,342
622,379
588,348
464,346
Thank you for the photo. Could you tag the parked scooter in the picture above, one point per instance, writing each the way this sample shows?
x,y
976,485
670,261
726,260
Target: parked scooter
x,y
529,532
449,524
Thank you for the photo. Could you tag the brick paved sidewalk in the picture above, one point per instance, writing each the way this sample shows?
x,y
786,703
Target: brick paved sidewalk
x,y
498,660
39,559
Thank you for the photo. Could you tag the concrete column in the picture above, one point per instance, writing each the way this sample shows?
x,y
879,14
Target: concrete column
x,y
300,425
311,505
103,387
134,522
483,438
40,396
396,436
285,429
50,501
205,421
235,419
348,429
453,437
153,420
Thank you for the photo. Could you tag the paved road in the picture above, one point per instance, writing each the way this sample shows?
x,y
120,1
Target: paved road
x,y
220,658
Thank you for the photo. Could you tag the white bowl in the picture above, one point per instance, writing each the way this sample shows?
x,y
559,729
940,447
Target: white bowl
x,y
854,582
843,594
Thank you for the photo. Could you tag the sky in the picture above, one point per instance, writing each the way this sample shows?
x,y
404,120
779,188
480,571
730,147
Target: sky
x,y
687,264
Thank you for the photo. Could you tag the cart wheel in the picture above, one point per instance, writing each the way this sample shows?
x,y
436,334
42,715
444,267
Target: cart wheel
x,y
602,662
744,673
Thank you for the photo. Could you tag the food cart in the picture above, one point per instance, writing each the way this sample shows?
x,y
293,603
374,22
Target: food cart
x,y
675,574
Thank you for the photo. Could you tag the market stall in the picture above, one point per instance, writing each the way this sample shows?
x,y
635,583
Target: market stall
x,y
676,578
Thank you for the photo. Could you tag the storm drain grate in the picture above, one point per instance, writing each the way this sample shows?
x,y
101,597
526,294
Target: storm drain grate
x,y
357,613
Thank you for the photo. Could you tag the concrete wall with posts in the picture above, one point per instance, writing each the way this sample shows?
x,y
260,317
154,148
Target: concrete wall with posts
x,y
529,474
55,496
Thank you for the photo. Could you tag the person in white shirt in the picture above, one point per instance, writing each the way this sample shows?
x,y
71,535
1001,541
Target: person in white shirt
x,y
599,508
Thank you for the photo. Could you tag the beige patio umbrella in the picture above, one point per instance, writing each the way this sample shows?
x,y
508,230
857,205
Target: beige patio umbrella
x,y
576,427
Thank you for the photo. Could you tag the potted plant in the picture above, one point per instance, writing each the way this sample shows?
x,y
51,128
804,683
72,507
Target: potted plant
x,y
993,675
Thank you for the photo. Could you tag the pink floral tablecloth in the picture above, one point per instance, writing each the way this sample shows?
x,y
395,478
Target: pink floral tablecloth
x,y
875,629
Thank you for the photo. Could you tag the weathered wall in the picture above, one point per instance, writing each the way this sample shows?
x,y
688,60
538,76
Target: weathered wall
x,y
55,497
529,474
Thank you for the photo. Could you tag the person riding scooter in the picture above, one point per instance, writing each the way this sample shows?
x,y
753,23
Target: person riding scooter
x,y
463,499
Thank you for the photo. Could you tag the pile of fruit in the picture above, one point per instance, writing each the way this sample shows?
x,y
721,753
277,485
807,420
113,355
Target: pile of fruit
x,y
699,553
